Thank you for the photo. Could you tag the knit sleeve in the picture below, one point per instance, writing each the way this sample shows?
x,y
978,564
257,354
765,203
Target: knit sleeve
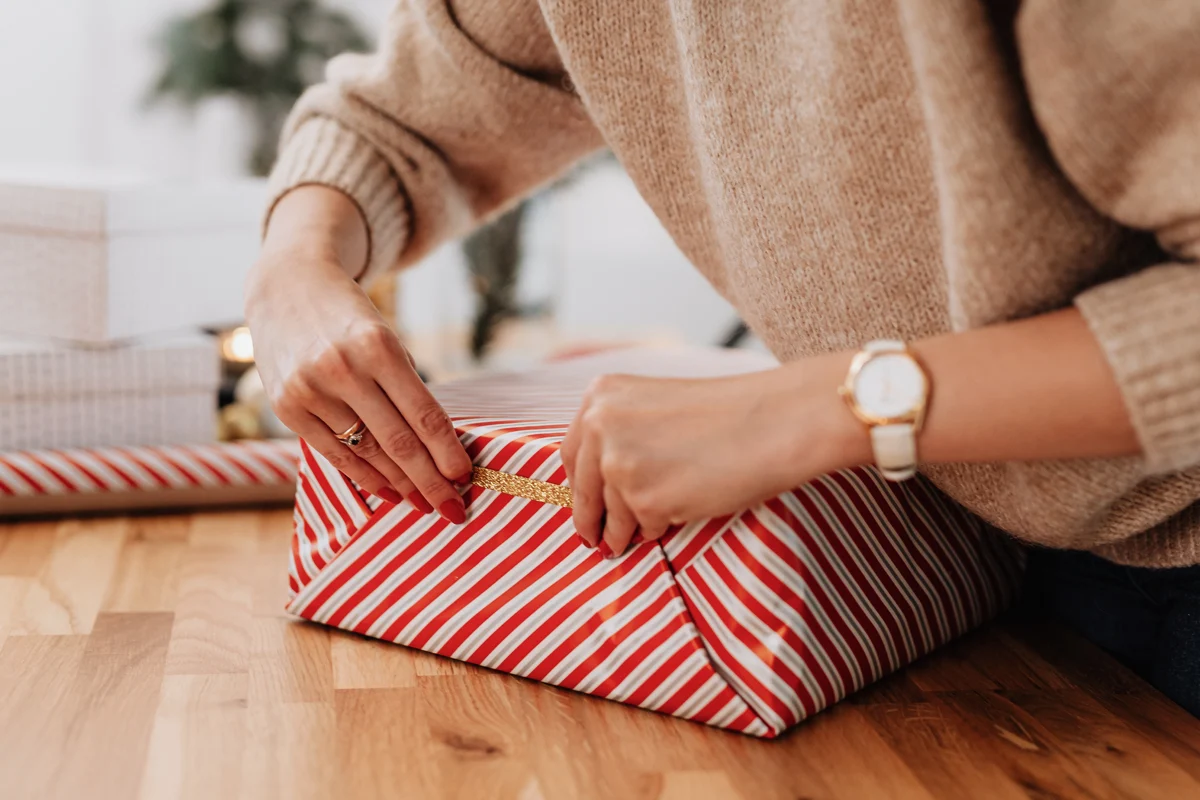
x,y
1115,87
462,110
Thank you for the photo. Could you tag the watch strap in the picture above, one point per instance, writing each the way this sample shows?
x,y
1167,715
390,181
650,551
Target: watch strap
x,y
885,346
895,449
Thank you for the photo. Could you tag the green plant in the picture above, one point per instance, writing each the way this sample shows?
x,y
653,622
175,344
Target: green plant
x,y
263,51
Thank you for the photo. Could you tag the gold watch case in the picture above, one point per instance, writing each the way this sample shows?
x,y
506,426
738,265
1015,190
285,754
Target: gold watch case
x,y
915,416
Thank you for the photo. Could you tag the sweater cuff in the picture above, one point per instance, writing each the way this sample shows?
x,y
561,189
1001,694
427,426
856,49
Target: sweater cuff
x,y
1149,330
321,151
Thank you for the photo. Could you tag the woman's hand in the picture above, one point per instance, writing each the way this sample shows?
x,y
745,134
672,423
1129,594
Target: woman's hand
x,y
327,358
647,453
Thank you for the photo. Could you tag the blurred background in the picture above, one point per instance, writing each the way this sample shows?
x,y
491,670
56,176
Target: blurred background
x,y
81,92
134,137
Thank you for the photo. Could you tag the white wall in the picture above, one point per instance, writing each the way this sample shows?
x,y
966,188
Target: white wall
x,y
75,73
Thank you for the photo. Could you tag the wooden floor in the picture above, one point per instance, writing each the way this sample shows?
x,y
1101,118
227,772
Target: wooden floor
x,y
149,657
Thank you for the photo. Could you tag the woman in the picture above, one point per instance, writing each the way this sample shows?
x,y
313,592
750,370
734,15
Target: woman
x,y
1014,197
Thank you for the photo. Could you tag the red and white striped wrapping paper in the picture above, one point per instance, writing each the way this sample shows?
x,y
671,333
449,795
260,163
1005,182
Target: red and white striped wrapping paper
x,y
47,481
751,623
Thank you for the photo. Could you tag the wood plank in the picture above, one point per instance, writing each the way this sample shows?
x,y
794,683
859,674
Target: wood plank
x,y
1170,729
952,669
1118,689
12,598
1012,739
846,751
71,585
257,705
472,740
1084,664
1011,663
227,531
1103,743
559,750
381,740
198,739
25,549
291,754
290,662
114,697
161,527
930,740
697,785
212,629
362,663
147,575
36,710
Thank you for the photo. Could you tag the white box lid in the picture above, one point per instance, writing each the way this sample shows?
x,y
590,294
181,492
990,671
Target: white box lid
x,y
37,368
97,202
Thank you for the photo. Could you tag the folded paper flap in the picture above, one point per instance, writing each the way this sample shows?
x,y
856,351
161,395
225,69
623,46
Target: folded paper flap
x,y
821,591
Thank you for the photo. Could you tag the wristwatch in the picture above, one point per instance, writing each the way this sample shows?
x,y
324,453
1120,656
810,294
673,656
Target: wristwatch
x,y
888,390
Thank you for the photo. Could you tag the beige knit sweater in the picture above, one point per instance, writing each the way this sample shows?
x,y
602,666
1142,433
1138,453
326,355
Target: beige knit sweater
x,y
839,170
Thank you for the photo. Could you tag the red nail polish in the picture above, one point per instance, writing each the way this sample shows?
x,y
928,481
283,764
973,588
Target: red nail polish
x,y
420,503
465,478
391,495
603,549
453,511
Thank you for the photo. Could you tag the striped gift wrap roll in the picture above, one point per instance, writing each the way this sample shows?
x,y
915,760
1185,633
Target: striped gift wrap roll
x,y
751,622
127,478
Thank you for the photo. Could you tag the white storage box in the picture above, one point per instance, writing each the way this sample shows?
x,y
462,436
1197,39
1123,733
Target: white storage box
x,y
97,257
158,392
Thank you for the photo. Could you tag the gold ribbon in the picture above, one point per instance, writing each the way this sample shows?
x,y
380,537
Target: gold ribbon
x,y
517,486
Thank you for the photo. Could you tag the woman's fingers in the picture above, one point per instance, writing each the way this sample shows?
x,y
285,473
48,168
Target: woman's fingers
x,y
587,493
619,522
318,435
423,415
653,531
391,439
339,417
569,449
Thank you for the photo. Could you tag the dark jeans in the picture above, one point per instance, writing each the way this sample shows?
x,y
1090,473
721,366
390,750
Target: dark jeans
x,y
1147,618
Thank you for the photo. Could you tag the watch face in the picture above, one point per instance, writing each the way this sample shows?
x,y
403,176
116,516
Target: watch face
x,y
889,386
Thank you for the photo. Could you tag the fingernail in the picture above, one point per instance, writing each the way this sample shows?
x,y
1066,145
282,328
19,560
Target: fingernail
x,y
465,478
391,495
420,503
587,541
604,550
454,512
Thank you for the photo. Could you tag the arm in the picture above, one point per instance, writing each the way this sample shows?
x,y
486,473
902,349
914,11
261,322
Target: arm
x,y
457,115
460,112
662,452
1033,390
1115,88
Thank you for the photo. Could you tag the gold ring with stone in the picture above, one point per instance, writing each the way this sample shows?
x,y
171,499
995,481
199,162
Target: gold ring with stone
x,y
353,436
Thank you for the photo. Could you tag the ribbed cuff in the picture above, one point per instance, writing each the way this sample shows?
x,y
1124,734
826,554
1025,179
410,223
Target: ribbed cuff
x,y
1149,327
321,151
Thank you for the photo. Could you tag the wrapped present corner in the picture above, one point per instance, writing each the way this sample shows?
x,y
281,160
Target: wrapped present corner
x,y
752,622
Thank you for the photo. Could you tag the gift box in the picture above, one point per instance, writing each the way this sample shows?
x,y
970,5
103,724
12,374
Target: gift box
x,y
160,391
751,622
95,257
128,478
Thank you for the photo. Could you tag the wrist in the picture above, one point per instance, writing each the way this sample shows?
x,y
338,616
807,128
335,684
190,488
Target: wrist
x,y
824,435
283,266
318,222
